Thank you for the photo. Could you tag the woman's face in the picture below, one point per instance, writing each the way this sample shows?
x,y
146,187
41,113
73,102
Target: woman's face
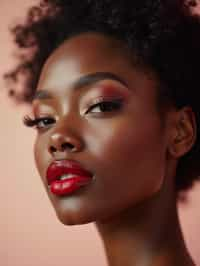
x,y
121,142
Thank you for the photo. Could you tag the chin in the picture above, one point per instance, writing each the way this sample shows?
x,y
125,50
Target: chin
x,y
68,218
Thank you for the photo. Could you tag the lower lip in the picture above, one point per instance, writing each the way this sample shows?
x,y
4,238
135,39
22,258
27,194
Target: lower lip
x,y
68,186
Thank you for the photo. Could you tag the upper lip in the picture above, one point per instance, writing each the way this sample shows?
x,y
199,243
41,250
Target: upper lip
x,y
60,167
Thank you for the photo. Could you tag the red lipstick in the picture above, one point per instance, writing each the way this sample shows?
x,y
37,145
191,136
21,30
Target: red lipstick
x,y
67,176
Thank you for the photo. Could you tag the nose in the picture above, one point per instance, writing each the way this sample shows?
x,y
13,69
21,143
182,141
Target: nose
x,y
60,142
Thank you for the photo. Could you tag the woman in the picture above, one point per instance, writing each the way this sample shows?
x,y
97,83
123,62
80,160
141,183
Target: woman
x,y
113,87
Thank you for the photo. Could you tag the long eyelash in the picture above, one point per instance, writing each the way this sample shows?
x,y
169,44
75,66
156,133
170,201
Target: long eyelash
x,y
117,103
29,122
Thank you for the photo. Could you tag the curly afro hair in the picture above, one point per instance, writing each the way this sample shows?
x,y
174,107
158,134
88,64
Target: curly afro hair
x,y
163,34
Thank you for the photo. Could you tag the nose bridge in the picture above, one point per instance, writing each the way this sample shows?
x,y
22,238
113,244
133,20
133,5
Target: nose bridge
x,y
66,135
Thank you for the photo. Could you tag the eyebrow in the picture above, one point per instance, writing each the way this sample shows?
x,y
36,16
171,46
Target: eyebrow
x,y
83,82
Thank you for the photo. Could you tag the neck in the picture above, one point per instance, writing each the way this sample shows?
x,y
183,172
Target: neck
x,y
148,234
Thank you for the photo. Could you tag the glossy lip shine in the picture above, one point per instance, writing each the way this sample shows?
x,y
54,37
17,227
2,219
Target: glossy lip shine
x,y
57,169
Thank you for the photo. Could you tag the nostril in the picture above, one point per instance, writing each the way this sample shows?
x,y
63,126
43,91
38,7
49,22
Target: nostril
x,y
66,145
63,147
52,149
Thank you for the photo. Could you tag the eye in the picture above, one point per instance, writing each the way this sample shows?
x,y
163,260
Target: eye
x,y
44,122
106,106
39,123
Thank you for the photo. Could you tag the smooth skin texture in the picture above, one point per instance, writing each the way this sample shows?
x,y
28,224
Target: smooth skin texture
x,y
132,153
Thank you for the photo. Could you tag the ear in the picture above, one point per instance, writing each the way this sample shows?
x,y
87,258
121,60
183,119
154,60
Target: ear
x,y
184,132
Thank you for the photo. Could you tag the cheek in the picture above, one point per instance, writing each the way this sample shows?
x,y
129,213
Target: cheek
x,y
131,153
41,155
126,137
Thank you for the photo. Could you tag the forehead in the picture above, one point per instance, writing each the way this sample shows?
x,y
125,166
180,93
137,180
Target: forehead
x,y
90,53
89,45
86,53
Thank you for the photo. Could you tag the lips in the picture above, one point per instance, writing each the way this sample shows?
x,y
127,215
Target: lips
x,y
66,176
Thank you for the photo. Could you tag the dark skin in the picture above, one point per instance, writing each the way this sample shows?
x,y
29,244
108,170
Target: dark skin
x,y
131,151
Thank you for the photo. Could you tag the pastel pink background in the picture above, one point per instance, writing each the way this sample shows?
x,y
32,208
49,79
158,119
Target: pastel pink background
x,y
30,233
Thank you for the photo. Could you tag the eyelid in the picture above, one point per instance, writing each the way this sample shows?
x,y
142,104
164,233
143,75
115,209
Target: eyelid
x,y
111,83
42,108
103,98
100,99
